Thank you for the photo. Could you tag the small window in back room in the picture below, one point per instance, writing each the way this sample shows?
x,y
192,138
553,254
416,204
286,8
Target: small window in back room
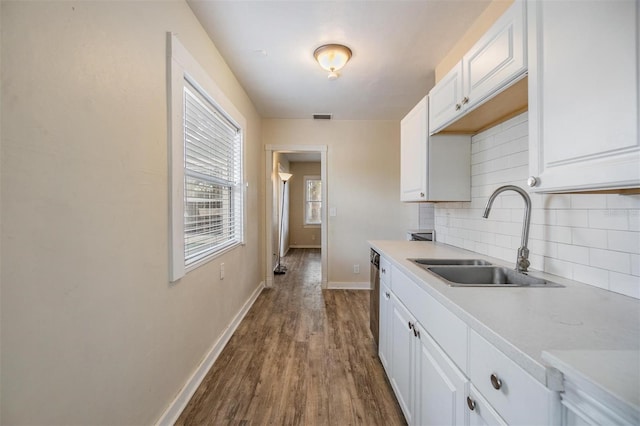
x,y
312,201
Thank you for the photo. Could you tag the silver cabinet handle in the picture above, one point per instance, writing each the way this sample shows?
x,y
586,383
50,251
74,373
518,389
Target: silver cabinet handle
x,y
422,195
387,295
471,403
465,100
410,326
458,106
532,181
384,271
496,382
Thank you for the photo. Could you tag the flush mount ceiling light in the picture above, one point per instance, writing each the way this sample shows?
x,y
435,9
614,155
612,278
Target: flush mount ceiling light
x,y
332,57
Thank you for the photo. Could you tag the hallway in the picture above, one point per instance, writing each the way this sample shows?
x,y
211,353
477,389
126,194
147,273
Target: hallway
x,y
301,356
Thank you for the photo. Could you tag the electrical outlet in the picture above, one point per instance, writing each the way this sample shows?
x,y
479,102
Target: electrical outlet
x,y
356,269
222,271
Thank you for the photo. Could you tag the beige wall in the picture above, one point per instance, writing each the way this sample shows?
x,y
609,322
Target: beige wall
x,y
495,9
299,234
363,184
92,331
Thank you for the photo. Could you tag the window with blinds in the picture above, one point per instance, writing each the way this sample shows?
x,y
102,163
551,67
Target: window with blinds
x,y
212,178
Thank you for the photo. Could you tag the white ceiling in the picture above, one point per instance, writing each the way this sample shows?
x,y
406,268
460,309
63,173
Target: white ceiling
x,y
396,46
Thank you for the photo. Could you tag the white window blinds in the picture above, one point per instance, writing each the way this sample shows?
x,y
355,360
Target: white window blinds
x,y
212,178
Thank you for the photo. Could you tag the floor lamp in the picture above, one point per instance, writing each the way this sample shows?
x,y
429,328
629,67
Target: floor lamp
x,y
279,268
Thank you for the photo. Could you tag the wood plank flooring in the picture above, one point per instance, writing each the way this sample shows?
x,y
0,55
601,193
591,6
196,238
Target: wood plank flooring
x,y
301,356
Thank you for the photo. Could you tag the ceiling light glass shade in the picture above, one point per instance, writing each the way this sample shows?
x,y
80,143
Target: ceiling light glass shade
x,y
285,176
332,57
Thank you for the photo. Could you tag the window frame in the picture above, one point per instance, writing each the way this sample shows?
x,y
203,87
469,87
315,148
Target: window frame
x,y
181,68
305,202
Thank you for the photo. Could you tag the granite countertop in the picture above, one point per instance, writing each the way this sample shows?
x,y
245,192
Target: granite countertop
x,y
577,324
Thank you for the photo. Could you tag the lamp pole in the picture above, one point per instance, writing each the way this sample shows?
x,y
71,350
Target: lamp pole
x,y
280,270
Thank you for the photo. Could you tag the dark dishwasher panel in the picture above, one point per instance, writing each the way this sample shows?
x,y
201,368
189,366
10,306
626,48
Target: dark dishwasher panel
x,y
374,298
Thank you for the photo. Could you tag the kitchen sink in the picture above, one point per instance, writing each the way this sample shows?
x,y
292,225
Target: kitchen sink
x,y
487,276
479,273
450,262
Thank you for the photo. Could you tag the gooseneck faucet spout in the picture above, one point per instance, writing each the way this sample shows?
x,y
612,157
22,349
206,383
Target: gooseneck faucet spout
x,y
522,264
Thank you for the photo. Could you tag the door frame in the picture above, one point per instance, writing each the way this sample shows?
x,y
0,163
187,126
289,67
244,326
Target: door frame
x,y
286,149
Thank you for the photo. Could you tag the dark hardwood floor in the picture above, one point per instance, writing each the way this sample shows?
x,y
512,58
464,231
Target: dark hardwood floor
x,y
301,356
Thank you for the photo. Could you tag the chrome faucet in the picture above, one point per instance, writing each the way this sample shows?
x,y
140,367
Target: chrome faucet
x,y
523,252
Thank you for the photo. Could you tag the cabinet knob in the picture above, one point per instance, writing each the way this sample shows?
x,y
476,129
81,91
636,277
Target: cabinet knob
x,y
532,181
384,271
387,295
496,382
410,326
422,195
471,403
465,100
458,106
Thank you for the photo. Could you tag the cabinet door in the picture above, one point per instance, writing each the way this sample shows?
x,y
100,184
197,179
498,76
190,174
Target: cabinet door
x,y
445,100
384,346
584,95
402,358
441,388
497,59
480,412
413,153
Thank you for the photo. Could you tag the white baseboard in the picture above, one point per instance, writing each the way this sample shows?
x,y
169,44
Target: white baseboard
x,y
305,246
337,285
176,407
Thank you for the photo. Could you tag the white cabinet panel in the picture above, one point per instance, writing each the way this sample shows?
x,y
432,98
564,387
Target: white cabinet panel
x,y
492,65
481,413
433,168
498,58
584,94
441,388
402,344
384,333
507,387
445,98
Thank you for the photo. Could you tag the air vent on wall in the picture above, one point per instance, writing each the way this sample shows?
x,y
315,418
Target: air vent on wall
x,y
322,116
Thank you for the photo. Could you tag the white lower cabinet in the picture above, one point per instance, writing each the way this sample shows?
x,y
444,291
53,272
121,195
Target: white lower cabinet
x,y
519,398
481,413
402,357
444,373
384,331
441,388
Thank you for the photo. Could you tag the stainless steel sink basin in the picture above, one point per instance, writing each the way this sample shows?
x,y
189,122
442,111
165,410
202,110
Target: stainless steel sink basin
x,y
487,276
450,262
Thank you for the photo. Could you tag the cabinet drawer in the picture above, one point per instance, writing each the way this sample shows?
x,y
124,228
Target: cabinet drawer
x,y
385,271
517,396
449,331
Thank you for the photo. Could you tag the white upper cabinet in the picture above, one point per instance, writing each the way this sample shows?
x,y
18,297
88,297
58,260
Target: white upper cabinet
x,y
436,168
445,99
493,64
583,95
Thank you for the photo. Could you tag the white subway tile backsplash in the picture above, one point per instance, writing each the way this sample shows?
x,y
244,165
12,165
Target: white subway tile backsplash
x,y
609,219
592,238
589,237
588,201
624,284
574,218
626,241
634,220
575,254
592,276
635,265
616,201
610,260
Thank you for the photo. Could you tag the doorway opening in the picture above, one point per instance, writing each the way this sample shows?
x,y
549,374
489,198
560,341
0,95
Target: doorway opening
x,y
296,214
